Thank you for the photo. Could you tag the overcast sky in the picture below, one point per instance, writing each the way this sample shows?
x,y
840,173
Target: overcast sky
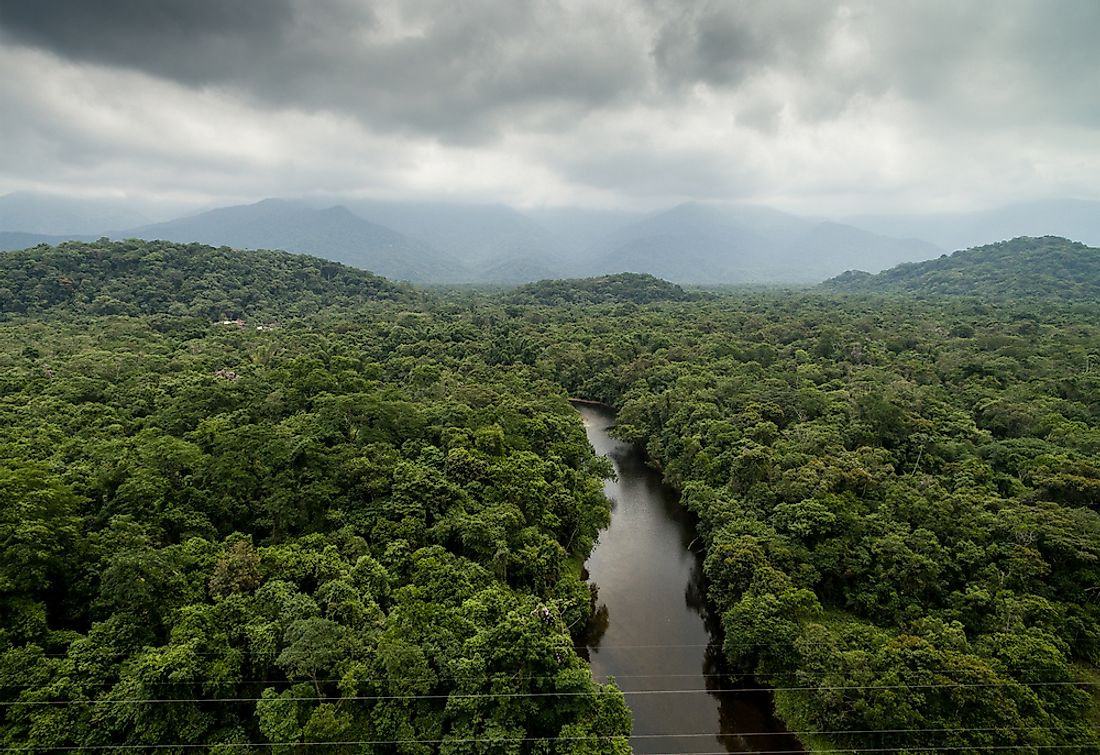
x,y
808,106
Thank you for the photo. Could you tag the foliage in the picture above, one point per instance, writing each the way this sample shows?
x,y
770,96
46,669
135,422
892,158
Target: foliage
x,y
1047,267
638,288
145,277
360,525
328,531
897,497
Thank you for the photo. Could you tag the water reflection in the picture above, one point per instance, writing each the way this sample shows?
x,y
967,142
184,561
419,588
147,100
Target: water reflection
x,y
651,630
597,624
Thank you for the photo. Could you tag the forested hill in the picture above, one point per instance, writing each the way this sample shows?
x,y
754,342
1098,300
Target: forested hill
x,y
352,530
1024,267
146,277
638,288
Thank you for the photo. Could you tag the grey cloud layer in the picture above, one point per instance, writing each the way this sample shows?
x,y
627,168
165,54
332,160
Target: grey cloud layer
x,y
434,66
723,96
449,69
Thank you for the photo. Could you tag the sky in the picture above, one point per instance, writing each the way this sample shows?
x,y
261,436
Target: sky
x,y
808,106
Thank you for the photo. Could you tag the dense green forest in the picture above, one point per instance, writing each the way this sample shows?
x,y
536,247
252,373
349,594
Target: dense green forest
x,y
366,525
345,529
1024,268
898,499
160,277
623,287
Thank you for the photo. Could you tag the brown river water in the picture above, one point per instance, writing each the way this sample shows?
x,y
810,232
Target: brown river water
x,y
652,631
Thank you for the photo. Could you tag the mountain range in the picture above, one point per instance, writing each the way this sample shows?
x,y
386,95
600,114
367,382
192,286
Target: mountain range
x,y
334,233
695,243
438,242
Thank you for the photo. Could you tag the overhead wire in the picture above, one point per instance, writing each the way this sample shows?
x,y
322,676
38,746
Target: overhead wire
x,y
519,740
591,648
489,678
565,693
597,647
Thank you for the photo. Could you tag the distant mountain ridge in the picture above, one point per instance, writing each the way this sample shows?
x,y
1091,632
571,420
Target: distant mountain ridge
x,y
440,243
12,240
1024,267
495,243
694,243
689,243
334,233
448,242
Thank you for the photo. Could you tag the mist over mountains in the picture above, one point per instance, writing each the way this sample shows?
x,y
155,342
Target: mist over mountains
x,y
1072,218
48,215
439,242
334,233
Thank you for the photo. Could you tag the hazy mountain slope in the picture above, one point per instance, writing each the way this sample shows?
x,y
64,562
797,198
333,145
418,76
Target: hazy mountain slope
x,y
10,240
827,248
689,243
1070,218
149,277
467,242
480,236
522,268
1023,267
695,243
64,216
780,228
334,233
582,229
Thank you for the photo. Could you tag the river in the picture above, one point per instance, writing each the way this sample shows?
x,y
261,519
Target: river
x,y
652,631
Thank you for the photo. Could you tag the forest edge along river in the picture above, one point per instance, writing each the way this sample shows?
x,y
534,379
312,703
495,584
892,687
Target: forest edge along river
x,y
652,631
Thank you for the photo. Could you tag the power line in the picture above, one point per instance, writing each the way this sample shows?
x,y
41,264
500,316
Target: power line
x,y
585,737
249,651
596,647
488,678
516,740
686,735
506,695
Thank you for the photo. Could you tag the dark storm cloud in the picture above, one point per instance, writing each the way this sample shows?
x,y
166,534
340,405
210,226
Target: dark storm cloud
x,y
194,41
725,43
456,72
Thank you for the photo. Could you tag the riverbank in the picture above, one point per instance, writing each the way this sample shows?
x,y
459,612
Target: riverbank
x,y
652,630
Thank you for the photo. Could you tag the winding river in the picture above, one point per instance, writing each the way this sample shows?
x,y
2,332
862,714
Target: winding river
x,y
652,631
